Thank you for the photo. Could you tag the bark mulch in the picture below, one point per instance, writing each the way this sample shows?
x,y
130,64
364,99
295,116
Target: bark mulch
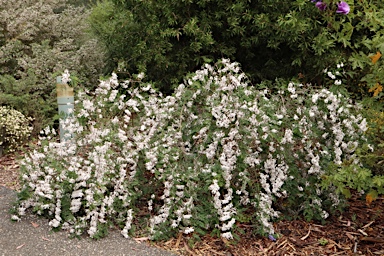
x,y
9,171
357,231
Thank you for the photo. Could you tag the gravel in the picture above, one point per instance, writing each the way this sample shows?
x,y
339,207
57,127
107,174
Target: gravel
x,y
32,236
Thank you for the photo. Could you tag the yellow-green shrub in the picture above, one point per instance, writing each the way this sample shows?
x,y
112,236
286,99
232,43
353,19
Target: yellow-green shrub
x,y
374,159
15,128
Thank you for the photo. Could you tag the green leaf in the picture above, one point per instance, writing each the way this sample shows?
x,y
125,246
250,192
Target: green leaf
x,y
346,192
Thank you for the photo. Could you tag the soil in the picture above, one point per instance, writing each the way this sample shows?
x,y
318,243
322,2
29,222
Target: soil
x,y
9,171
357,231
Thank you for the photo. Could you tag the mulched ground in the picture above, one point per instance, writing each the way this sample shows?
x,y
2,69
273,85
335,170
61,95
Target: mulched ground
x,y
9,171
358,231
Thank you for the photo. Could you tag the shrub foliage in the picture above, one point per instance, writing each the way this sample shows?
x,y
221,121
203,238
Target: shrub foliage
x,y
38,40
15,129
285,39
216,152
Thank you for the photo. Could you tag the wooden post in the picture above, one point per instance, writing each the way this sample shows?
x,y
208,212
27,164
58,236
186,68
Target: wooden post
x,y
65,102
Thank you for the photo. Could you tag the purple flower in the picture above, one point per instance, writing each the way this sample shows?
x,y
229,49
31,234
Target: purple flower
x,y
272,238
343,8
321,6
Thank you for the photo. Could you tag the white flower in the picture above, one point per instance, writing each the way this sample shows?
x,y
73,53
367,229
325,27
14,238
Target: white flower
x,y
227,235
363,125
128,223
324,214
337,82
332,76
16,218
113,95
214,187
311,113
315,97
65,77
75,205
291,88
188,230
77,193
54,223
140,76
279,116
229,225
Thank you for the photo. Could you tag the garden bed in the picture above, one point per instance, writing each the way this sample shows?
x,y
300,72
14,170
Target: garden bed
x,y
357,231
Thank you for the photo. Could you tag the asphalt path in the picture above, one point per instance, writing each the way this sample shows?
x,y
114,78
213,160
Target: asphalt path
x,y
32,236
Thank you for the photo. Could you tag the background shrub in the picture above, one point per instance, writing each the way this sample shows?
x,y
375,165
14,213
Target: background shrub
x,y
284,39
374,158
15,129
38,40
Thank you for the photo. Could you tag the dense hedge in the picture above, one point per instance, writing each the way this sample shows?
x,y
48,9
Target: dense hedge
x,y
166,39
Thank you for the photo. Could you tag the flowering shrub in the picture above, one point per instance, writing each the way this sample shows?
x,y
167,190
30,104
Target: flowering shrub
x,y
14,129
215,153
342,7
335,74
369,175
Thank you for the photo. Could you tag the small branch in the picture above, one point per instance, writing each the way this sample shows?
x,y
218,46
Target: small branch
x,y
362,232
369,224
307,235
355,248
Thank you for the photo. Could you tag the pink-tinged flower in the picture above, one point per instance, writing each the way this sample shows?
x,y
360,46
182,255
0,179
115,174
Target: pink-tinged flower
x,y
343,8
321,6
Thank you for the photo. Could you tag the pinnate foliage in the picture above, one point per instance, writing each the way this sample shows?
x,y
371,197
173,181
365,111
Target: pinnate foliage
x,y
215,153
